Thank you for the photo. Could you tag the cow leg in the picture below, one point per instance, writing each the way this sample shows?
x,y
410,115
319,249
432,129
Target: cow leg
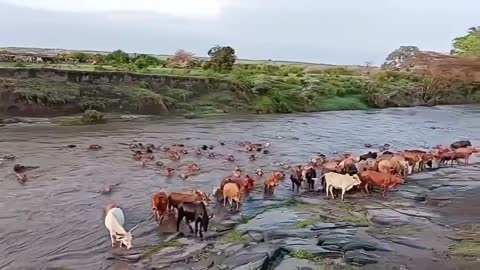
x,y
384,194
224,201
366,188
189,226
196,228
343,193
326,193
331,192
293,186
113,238
179,219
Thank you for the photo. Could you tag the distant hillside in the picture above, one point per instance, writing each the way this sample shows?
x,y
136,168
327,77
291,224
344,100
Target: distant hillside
x,y
55,51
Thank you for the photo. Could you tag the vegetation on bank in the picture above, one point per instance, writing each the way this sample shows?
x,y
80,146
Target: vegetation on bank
x,y
89,117
260,88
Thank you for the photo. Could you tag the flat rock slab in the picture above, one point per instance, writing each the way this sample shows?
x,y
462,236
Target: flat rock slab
x,y
388,217
290,263
175,254
360,257
271,220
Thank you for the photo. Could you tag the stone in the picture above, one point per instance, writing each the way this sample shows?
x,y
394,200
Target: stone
x,y
290,263
246,261
388,217
271,220
359,257
169,255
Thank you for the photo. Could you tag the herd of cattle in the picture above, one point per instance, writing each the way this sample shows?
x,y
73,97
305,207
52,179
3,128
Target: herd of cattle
x,y
384,170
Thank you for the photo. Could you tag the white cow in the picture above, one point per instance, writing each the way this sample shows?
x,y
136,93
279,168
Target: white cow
x,y
114,221
344,182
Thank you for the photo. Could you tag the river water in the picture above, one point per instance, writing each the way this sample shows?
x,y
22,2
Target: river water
x,y
56,219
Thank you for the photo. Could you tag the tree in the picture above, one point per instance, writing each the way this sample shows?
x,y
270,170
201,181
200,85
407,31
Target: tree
x,y
118,57
181,58
141,64
222,58
468,45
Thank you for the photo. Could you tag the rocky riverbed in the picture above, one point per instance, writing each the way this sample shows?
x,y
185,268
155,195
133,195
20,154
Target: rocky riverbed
x,y
413,228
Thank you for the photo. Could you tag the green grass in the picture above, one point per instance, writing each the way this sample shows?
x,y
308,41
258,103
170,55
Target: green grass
x,y
305,223
466,249
301,254
233,236
154,249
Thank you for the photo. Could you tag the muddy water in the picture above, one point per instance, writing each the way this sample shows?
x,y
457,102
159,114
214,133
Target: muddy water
x,y
55,220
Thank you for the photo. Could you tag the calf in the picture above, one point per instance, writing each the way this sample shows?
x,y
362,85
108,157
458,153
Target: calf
x,y
385,181
194,212
341,181
114,221
231,192
159,206
296,178
176,198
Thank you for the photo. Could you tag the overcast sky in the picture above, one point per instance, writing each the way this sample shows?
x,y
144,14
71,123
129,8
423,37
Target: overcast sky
x,y
335,32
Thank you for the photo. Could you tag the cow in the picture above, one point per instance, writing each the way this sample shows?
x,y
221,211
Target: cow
x,y
194,212
345,163
341,181
247,183
464,153
272,182
309,174
114,221
231,192
159,206
296,177
460,144
174,199
351,169
368,155
385,181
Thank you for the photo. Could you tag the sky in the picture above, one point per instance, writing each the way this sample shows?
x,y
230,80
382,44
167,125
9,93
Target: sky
x,y
331,32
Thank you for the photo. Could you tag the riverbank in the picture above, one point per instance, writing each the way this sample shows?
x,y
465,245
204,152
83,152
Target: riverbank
x,y
49,91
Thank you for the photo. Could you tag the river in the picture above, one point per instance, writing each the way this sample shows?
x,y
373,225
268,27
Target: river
x,y
55,219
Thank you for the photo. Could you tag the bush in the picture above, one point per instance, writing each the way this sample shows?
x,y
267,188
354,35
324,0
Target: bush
x,y
91,117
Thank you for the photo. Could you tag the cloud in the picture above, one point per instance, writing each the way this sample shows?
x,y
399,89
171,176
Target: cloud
x,y
180,8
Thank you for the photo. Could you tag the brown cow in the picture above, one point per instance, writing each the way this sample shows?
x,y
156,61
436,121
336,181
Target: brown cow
x,y
174,199
247,183
159,206
413,158
272,182
464,153
231,192
384,181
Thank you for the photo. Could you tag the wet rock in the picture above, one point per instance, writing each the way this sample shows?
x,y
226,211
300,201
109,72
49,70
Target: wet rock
x,y
289,263
277,219
332,247
256,236
359,245
360,257
407,241
388,217
170,255
252,258
307,245
321,239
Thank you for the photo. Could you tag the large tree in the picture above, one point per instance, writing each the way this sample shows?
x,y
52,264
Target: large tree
x,y
181,58
222,58
468,45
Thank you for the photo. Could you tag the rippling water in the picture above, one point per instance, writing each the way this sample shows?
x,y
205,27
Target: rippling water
x,y
56,218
